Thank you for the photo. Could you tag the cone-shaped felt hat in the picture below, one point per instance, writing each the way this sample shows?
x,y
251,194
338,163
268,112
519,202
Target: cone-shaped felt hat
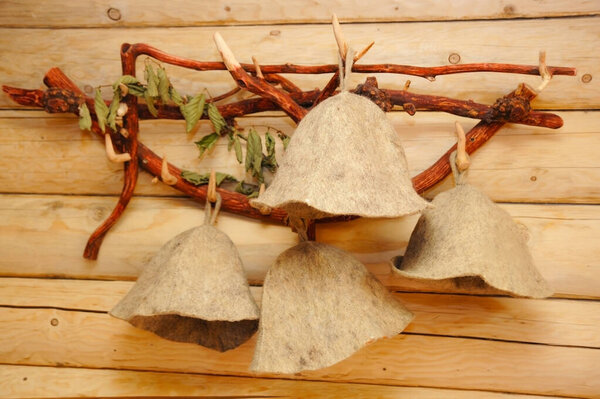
x,y
194,290
319,306
345,158
467,237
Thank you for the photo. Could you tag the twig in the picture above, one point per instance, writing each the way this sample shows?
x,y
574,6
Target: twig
x,y
462,158
165,175
257,85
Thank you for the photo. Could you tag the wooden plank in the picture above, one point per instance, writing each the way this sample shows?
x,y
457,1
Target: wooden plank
x,y
554,322
66,382
91,56
181,13
92,340
520,164
45,236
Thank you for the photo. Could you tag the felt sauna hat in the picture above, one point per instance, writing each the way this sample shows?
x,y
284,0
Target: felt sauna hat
x,y
467,237
194,290
319,306
345,158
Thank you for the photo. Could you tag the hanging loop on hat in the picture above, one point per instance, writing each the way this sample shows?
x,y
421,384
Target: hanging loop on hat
x,y
346,69
210,215
300,226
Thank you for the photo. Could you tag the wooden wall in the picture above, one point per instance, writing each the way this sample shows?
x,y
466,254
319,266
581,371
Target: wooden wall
x,y
56,338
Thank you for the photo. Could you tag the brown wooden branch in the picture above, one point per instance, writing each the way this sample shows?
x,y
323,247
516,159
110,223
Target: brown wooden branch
x,y
258,85
425,72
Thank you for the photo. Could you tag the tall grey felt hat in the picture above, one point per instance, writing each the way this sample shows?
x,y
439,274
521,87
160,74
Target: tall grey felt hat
x,y
345,158
194,290
468,238
319,306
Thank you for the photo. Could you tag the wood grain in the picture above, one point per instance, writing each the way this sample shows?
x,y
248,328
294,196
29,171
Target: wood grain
x,y
66,382
233,12
553,322
83,339
520,164
91,61
562,239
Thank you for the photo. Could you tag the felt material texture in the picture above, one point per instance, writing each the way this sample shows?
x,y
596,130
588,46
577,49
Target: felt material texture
x,y
194,290
319,306
345,158
467,237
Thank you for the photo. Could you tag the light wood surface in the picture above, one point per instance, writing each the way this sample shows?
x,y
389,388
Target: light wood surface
x,y
542,165
182,13
43,235
553,322
56,186
51,382
91,56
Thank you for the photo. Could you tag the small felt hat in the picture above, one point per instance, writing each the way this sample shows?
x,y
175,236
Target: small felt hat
x,y
319,306
194,290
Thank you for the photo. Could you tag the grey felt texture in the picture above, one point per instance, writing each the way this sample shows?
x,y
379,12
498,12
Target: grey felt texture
x,y
466,236
319,306
345,158
194,290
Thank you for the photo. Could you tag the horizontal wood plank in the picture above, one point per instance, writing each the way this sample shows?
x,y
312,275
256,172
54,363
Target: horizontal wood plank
x,y
520,164
555,322
54,14
67,382
45,236
91,56
82,339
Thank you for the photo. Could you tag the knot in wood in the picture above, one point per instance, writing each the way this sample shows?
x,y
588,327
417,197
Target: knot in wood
x,y
57,100
509,108
370,89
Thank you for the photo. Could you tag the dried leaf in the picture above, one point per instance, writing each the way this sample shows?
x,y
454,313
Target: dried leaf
x,y
254,155
216,118
163,85
206,143
269,161
192,111
85,119
198,179
238,149
175,97
112,111
284,139
101,110
151,81
150,104
247,189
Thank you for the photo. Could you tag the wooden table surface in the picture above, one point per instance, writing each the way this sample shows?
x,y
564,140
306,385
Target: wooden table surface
x,y
56,338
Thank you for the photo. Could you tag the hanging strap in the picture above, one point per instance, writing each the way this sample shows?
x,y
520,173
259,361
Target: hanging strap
x,y
210,215
300,225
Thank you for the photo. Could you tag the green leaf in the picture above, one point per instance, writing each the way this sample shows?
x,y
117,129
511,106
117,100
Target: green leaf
x,y
126,80
206,143
216,118
85,119
284,139
112,111
163,85
238,149
269,161
101,110
175,97
192,111
151,81
246,189
254,155
150,104
198,179
136,89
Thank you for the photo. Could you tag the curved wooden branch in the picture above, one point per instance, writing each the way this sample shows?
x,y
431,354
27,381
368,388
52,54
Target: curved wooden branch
x,y
424,72
258,85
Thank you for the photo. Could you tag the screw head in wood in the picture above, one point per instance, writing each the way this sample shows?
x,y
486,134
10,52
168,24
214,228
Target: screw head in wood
x,y
114,14
454,58
54,322
587,78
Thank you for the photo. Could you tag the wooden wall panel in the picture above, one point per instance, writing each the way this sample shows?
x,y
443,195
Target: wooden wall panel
x,y
91,56
232,12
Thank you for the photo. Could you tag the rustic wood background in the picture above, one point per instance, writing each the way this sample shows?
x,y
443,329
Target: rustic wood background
x,y
56,338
